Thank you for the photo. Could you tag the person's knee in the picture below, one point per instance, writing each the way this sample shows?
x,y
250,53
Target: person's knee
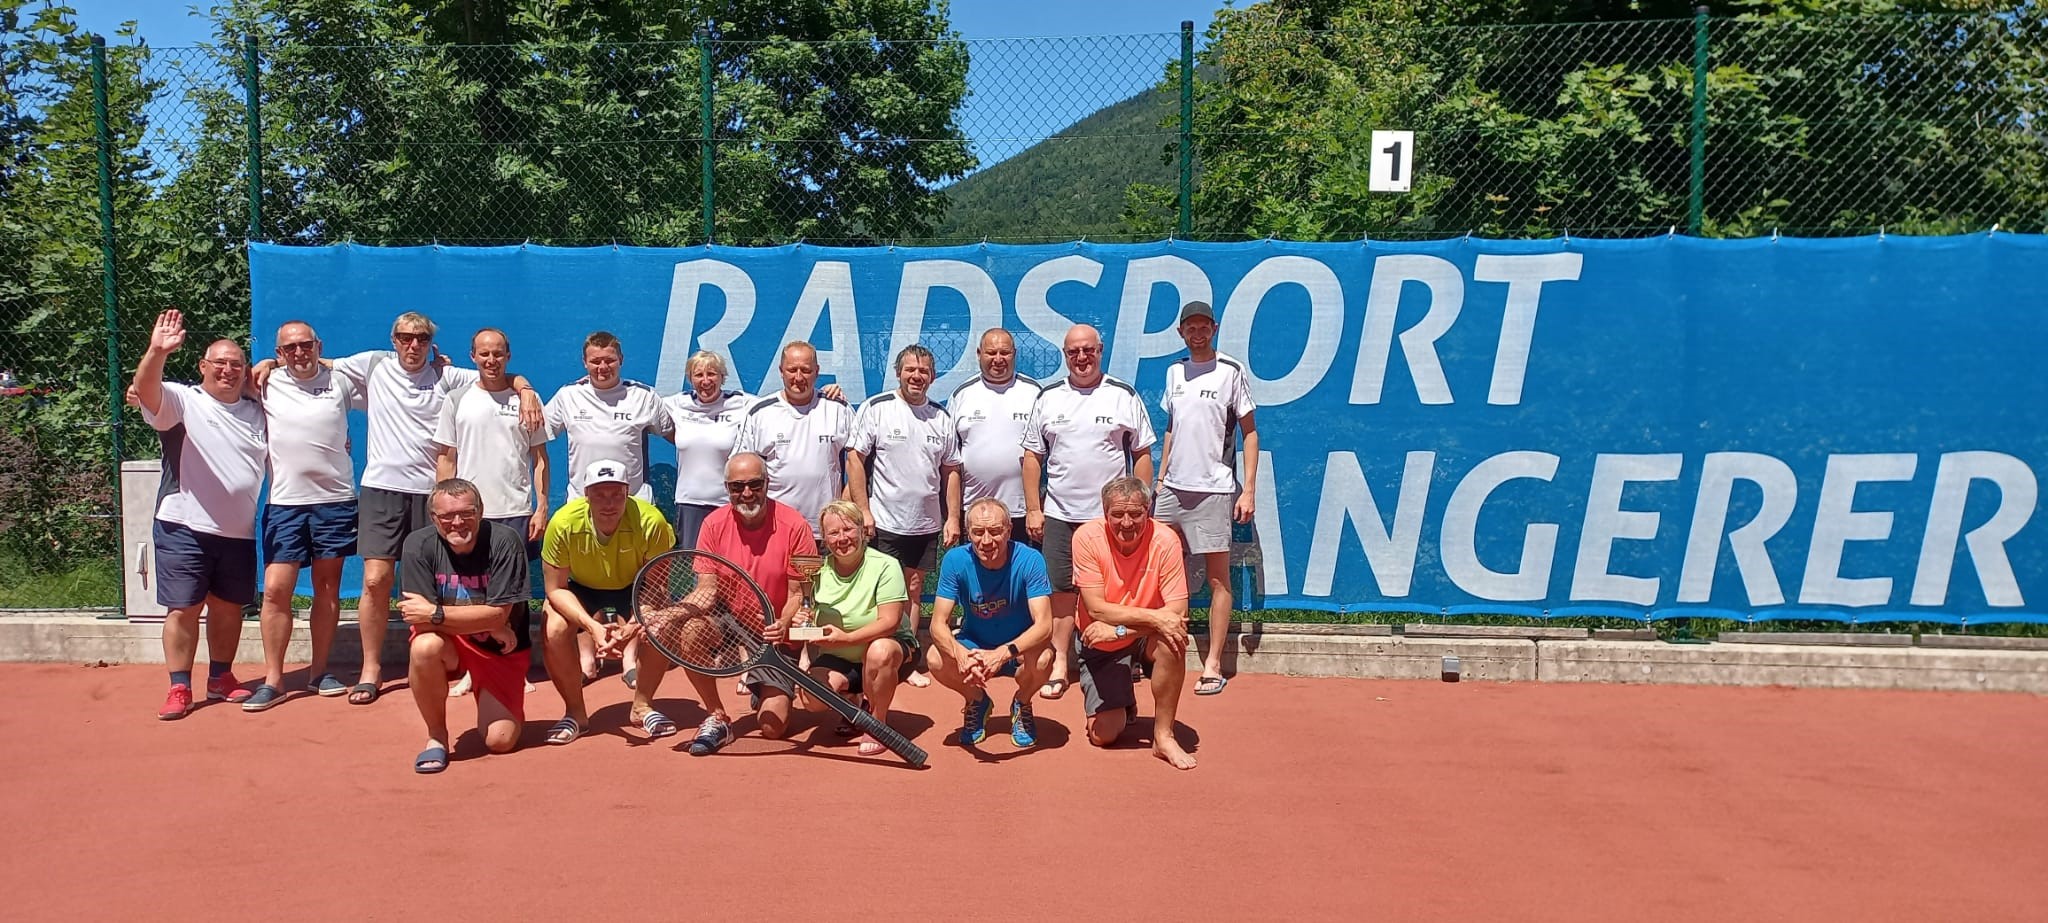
x,y
427,650
501,736
882,658
559,631
774,725
1105,727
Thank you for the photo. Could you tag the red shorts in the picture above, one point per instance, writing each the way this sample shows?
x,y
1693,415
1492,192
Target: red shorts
x,y
501,675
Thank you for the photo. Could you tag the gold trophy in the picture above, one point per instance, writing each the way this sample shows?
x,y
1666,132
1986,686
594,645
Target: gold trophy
x,y
806,567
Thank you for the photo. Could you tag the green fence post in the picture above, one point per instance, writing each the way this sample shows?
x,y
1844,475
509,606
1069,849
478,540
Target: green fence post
x,y
110,293
704,147
253,106
1187,126
1696,200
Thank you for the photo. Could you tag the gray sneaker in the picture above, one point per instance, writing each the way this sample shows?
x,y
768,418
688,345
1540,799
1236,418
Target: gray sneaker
x,y
712,736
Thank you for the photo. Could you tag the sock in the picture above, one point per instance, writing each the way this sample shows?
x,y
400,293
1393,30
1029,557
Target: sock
x,y
218,668
181,678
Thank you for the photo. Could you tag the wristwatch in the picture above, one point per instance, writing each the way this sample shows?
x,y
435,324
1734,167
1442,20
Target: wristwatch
x,y
440,614
1015,654
1122,631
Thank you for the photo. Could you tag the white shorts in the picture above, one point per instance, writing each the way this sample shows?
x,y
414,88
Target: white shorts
x,y
1202,519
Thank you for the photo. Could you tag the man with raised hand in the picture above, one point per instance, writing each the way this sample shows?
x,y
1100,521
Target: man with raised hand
x,y
759,535
594,548
799,435
466,603
1000,587
903,472
406,386
311,517
482,441
607,418
990,413
1208,399
1085,431
204,534
1132,579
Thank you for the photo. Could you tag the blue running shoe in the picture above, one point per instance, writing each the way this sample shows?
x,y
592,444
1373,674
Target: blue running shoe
x,y
974,720
1023,725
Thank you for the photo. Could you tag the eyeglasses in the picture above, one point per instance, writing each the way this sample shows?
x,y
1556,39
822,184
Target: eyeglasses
x,y
740,487
225,363
458,516
413,337
300,346
1082,350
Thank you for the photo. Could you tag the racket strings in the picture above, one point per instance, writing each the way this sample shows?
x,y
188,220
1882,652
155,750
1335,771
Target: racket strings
x,y
700,613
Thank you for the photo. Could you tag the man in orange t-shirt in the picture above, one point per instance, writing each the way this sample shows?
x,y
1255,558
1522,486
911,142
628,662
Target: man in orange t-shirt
x,y
1133,615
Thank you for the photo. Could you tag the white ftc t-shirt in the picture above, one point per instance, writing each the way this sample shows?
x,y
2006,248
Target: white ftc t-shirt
x,y
491,447
610,424
1087,436
991,421
308,420
1204,401
404,412
802,448
213,461
908,446
705,435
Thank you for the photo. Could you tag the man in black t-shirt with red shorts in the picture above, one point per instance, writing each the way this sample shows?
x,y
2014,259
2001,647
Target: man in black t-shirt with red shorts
x,y
464,583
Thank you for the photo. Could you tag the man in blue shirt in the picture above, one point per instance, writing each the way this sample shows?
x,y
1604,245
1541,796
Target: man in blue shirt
x,y
1006,626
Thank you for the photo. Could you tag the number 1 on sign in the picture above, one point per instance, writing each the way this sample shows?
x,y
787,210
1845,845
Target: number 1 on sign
x,y
1393,161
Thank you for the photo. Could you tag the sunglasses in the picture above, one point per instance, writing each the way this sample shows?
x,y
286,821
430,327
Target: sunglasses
x,y
300,346
1082,350
738,487
413,337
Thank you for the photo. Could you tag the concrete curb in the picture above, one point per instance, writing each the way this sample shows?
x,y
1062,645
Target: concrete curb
x,y
1359,651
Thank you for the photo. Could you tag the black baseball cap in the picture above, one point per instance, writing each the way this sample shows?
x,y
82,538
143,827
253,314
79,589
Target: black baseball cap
x,y
1197,309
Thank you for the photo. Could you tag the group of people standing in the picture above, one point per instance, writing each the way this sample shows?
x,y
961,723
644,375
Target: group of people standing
x,y
1063,554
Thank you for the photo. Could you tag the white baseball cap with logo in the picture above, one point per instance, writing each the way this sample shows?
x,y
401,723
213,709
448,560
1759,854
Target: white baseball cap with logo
x,y
605,471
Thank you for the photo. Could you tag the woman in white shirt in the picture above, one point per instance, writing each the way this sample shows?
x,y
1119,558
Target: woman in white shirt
x,y
707,419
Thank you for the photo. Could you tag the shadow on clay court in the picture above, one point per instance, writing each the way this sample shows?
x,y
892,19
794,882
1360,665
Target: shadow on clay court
x,y
1139,736
997,748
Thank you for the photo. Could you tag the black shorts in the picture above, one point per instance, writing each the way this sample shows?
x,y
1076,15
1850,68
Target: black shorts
x,y
1109,679
1059,553
919,551
852,671
595,602
1020,533
384,518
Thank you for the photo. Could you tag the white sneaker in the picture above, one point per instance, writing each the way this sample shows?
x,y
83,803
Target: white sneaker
x,y
459,688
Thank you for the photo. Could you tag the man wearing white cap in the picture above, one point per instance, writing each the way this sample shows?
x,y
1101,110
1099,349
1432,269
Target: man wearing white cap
x,y
595,545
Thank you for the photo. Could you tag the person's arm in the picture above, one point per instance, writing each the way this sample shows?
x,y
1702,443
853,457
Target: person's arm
x,y
949,534
537,524
1141,440
418,611
857,486
444,463
794,600
942,626
444,438
888,617
1034,495
164,339
1041,624
1136,617
532,413
1246,503
1141,463
1165,452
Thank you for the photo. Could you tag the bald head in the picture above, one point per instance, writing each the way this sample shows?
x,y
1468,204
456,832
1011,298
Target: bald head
x,y
298,349
1083,349
222,370
997,355
746,488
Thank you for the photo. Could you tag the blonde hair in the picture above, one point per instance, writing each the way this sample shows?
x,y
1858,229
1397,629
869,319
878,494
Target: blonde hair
x,y
702,358
414,319
844,509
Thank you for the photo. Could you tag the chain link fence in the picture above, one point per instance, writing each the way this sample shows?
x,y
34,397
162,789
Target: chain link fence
x,y
1719,127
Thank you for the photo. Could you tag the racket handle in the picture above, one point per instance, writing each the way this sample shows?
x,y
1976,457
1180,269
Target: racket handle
x,y
888,737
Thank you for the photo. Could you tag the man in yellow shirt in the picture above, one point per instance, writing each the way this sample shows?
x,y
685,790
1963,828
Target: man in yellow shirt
x,y
594,547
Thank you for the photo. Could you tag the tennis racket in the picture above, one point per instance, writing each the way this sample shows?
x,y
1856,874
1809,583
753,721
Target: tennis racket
x,y
706,614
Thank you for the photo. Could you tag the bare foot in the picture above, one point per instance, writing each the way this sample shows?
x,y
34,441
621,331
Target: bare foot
x,y
1173,755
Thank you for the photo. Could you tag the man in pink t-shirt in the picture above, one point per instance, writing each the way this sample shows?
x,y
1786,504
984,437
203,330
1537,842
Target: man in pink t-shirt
x,y
759,535
1132,616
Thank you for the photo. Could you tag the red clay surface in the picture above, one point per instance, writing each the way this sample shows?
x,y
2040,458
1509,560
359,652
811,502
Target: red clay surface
x,y
1315,798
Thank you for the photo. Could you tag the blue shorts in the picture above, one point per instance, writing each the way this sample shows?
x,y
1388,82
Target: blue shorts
x,y
192,565
1009,666
304,534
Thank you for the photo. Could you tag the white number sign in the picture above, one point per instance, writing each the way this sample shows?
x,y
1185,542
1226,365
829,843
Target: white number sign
x,y
1393,161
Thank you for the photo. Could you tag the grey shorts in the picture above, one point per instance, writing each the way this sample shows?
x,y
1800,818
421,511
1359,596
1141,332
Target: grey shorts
x,y
384,518
1109,679
1202,519
1059,553
759,681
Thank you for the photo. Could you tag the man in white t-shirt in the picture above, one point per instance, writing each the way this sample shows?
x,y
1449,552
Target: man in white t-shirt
x,y
799,435
482,441
311,517
1208,399
990,414
1085,430
903,472
406,386
607,418
204,535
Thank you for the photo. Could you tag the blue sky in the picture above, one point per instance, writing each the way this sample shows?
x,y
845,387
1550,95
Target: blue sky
x,y
1037,66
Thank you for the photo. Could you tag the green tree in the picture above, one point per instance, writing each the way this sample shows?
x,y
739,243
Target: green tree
x,y
1825,116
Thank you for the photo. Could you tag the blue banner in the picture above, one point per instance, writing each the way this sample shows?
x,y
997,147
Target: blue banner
x,y
1838,429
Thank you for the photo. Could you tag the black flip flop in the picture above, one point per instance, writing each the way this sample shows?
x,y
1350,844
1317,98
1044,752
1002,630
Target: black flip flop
x,y
360,689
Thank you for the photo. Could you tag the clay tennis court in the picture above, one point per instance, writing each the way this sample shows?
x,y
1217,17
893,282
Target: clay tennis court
x,y
1315,798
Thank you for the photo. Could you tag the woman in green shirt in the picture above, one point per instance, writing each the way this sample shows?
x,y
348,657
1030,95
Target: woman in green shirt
x,y
868,647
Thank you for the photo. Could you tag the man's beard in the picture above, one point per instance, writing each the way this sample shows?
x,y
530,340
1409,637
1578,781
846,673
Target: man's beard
x,y
749,510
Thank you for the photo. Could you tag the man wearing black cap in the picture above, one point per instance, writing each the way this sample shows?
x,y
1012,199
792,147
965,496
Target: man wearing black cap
x,y
1208,399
